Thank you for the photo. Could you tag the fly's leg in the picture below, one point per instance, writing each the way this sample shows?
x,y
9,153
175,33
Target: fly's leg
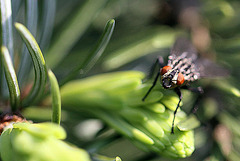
x,y
199,91
179,93
154,83
195,107
159,62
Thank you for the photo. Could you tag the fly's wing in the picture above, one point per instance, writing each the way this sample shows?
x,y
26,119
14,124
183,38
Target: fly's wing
x,y
206,68
209,69
183,45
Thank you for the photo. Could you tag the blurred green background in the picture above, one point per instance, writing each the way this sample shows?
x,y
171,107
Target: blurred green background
x,y
144,30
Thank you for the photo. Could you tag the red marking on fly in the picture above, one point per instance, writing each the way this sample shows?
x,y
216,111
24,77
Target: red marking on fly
x,y
183,67
165,69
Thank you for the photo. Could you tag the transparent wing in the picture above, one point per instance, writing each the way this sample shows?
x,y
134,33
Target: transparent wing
x,y
209,69
183,45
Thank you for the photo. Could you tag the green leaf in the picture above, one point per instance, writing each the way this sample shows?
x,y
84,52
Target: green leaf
x,y
6,37
56,98
227,86
147,42
6,145
41,141
37,113
124,127
11,79
73,31
38,62
41,114
31,24
48,11
118,159
6,26
32,16
97,52
15,7
105,158
189,124
44,129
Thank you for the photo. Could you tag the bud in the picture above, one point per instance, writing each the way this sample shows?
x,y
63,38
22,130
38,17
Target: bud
x,y
116,98
25,141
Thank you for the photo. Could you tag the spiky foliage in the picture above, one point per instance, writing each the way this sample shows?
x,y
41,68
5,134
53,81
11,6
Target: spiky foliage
x,y
94,106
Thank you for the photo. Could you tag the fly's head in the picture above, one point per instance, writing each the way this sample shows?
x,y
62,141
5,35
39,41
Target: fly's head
x,y
171,78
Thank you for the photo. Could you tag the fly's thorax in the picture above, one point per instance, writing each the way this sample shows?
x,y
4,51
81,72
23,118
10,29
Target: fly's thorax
x,y
185,66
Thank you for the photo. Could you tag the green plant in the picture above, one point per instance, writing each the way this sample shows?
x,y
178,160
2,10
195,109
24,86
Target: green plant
x,y
111,102
41,141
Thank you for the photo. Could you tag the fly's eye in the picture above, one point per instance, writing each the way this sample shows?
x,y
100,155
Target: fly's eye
x,y
165,69
180,79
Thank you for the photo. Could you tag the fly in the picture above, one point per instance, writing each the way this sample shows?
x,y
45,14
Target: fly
x,y
183,67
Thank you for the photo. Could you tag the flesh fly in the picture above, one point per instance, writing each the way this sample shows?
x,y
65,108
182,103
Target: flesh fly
x,y
183,67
